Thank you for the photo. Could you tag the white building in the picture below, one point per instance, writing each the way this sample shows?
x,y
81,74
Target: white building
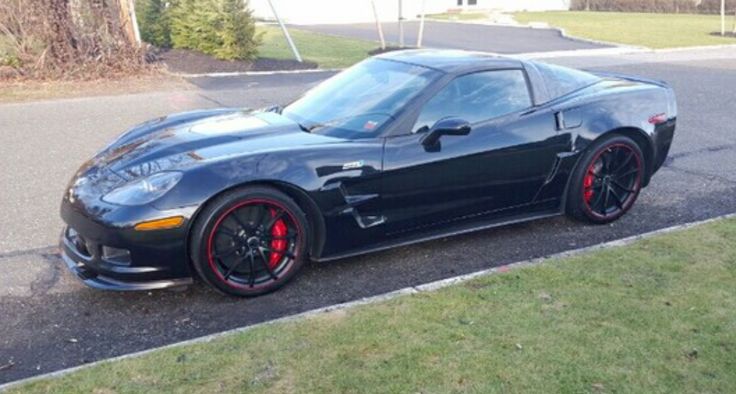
x,y
357,11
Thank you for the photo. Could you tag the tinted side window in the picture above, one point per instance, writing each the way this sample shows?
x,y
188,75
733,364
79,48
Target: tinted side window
x,y
477,97
562,80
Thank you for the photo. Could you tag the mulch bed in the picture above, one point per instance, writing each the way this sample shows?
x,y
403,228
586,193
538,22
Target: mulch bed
x,y
379,51
193,62
728,34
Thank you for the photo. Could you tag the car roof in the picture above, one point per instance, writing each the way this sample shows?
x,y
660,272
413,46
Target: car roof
x,y
452,61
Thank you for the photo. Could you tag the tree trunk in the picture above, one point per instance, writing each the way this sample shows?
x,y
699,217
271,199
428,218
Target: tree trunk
x,y
128,24
62,44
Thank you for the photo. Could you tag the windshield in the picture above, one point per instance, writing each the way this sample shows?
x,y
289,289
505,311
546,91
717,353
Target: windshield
x,y
357,102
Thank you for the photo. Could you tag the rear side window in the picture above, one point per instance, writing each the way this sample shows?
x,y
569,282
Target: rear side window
x,y
477,97
562,80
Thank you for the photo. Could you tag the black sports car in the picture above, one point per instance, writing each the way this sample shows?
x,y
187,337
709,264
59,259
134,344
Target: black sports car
x,y
401,148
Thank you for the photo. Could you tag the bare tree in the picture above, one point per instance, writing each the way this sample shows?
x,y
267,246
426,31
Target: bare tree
x,y
66,39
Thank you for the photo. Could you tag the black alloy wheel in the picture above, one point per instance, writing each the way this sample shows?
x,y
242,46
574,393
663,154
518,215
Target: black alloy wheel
x,y
607,181
250,241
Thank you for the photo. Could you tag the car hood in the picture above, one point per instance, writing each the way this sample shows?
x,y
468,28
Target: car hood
x,y
183,140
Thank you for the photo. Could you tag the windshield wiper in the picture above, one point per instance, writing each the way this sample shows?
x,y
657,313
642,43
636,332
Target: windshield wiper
x,y
311,128
303,127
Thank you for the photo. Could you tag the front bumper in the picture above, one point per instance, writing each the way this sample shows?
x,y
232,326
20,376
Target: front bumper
x,y
155,259
92,275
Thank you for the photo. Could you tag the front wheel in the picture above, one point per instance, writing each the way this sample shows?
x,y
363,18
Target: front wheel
x,y
249,241
607,181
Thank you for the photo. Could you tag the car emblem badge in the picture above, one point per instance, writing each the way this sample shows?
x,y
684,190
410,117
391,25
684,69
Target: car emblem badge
x,y
353,165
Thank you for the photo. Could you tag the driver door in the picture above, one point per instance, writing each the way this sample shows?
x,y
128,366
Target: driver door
x,y
499,166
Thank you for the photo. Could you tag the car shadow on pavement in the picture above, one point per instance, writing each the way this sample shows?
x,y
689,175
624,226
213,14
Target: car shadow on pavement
x,y
57,322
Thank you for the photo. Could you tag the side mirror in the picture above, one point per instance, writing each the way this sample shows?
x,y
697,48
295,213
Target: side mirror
x,y
273,108
445,126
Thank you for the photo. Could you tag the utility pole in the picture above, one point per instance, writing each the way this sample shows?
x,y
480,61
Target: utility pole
x,y
723,17
286,33
401,24
420,36
378,25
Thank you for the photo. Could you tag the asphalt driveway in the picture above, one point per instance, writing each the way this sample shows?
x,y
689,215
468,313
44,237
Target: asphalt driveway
x,y
50,321
468,36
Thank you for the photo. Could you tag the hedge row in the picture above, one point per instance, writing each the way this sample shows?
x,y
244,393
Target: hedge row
x,y
674,6
224,29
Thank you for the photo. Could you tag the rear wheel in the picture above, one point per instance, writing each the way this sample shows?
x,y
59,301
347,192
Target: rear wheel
x,y
249,241
607,181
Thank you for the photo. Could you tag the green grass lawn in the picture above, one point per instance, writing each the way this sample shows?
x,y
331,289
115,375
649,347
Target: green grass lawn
x,y
325,50
649,30
656,316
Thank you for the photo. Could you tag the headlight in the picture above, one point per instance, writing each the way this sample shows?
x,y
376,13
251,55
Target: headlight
x,y
144,190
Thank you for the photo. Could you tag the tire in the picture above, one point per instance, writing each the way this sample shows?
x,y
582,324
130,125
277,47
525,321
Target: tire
x,y
607,180
249,241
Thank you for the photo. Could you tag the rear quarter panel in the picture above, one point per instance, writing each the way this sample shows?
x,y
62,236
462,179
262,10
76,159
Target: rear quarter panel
x,y
625,106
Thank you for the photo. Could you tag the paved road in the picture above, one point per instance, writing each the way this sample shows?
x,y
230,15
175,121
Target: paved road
x,y
49,321
474,37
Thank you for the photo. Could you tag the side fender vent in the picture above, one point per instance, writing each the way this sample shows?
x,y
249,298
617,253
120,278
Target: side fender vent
x,y
568,119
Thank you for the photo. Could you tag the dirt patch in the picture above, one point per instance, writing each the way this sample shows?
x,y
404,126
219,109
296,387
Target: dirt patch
x,y
22,91
193,62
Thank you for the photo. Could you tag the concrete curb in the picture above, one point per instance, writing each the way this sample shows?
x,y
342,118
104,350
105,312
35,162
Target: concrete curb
x,y
428,287
695,48
254,73
610,51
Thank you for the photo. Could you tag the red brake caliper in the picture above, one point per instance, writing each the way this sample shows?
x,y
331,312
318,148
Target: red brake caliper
x,y
588,185
278,230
